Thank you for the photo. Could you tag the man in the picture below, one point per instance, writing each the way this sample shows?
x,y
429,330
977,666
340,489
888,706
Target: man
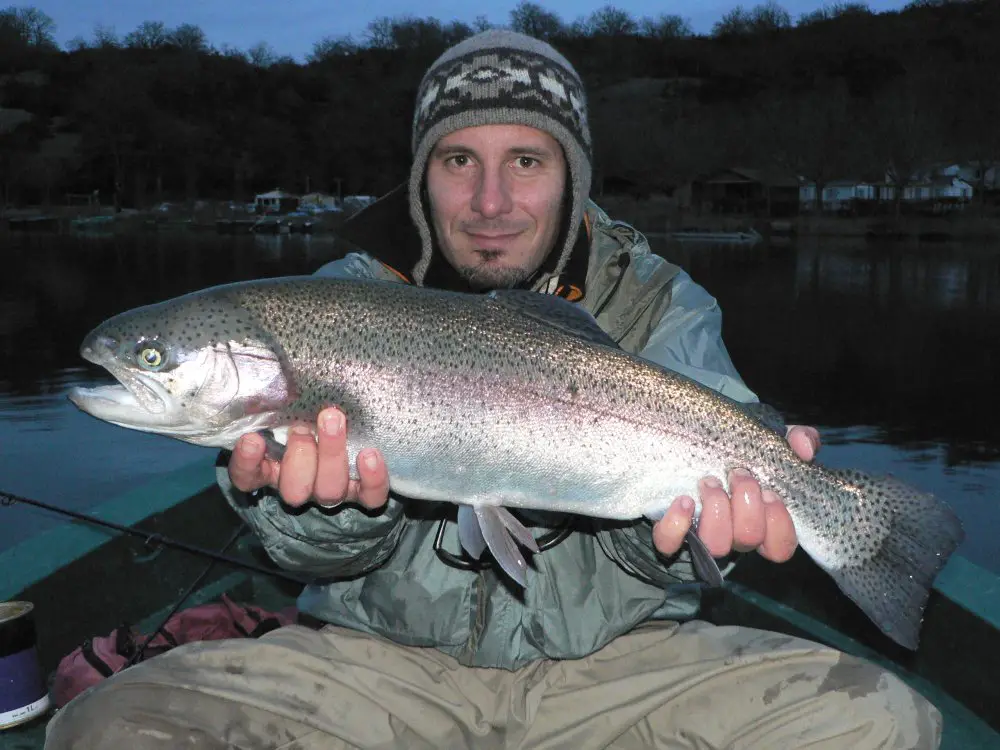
x,y
425,650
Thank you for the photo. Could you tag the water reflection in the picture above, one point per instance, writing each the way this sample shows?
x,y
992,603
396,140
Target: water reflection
x,y
889,349
898,337
64,285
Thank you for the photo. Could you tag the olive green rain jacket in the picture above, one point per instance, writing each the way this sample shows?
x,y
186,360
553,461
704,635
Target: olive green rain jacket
x,y
383,574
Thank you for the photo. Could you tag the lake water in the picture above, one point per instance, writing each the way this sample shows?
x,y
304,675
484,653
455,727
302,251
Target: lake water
x,y
888,349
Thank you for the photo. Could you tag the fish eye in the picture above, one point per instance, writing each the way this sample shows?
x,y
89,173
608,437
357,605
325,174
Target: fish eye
x,y
150,355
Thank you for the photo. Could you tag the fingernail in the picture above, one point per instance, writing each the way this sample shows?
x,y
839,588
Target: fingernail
x,y
246,448
332,423
744,473
769,496
687,504
711,482
301,429
370,460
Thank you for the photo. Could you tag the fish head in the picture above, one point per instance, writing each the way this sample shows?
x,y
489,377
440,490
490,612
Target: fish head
x,y
197,368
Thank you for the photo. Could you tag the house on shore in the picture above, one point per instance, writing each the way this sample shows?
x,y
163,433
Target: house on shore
x,y
741,190
275,201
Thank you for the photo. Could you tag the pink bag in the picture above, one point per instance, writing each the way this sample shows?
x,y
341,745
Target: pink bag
x,y
103,656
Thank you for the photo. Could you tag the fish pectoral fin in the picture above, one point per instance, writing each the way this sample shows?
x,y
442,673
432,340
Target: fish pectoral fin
x,y
469,533
705,566
502,533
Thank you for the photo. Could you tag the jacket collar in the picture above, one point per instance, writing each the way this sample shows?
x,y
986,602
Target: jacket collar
x,y
385,231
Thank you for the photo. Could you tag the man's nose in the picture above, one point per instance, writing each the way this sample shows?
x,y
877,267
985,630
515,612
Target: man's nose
x,y
493,193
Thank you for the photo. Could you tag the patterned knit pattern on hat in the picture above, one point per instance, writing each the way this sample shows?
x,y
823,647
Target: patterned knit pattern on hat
x,y
502,78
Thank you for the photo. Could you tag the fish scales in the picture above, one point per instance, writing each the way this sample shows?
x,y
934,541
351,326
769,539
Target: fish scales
x,y
621,463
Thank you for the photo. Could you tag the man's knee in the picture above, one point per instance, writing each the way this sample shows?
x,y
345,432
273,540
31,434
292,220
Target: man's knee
x,y
879,699
143,717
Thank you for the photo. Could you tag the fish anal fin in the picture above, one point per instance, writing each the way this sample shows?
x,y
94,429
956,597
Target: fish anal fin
x,y
502,532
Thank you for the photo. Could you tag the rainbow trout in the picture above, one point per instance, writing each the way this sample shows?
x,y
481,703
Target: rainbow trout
x,y
510,399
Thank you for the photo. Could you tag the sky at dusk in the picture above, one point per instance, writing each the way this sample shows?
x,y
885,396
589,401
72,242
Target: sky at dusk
x,y
292,26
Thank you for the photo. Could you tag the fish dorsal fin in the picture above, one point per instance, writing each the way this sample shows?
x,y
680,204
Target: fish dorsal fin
x,y
555,312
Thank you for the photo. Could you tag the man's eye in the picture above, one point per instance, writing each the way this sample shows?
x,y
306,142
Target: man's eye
x,y
459,160
526,162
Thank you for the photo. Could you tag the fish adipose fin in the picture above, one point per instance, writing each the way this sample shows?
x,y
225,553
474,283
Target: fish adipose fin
x,y
705,566
495,528
917,534
554,312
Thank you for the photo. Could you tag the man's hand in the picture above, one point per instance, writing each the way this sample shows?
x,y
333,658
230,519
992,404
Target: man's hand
x,y
312,468
746,519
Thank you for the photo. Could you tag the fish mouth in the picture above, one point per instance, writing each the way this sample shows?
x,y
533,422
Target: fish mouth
x,y
136,400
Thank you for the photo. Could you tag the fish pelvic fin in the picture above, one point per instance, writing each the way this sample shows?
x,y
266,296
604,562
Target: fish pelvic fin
x,y
469,533
915,534
501,533
274,443
705,566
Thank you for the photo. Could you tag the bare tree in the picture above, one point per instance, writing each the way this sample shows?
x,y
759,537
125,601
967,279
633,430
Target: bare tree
x,y
189,37
29,26
903,123
105,37
834,10
666,26
812,134
762,18
612,21
148,35
333,46
379,33
262,55
532,19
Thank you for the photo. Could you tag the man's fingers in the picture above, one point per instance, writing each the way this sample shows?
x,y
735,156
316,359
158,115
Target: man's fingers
x,y
780,541
669,531
247,468
332,470
805,441
749,521
298,467
715,525
373,486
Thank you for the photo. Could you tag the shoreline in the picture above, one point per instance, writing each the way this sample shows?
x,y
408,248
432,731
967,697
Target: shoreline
x,y
651,218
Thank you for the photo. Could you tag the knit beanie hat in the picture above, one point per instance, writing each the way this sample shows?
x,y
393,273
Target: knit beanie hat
x,y
501,77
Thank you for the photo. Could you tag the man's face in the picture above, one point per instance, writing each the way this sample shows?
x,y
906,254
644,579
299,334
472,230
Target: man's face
x,y
496,195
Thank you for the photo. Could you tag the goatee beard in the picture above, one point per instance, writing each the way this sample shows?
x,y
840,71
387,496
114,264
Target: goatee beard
x,y
486,277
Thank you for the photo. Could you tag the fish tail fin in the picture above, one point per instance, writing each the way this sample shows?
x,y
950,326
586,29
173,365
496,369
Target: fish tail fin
x,y
494,527
890,544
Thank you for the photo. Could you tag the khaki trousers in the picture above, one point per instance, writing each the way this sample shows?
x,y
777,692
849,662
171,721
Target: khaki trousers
x,y
664,685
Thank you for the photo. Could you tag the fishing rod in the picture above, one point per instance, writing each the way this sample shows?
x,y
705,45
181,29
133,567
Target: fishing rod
x,y
151,537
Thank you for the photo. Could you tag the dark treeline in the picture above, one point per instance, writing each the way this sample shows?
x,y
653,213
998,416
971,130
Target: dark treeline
x,y
160,114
